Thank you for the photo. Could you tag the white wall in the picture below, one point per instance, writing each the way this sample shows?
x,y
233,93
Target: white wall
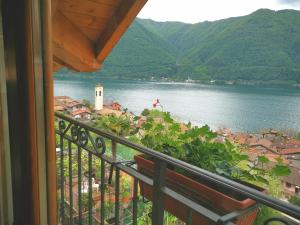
x,y
98,97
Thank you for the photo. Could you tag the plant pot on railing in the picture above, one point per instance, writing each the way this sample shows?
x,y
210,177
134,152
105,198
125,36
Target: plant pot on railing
x,y
197,191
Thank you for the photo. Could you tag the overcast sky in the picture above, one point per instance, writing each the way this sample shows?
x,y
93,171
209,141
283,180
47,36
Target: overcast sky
x,y
193,11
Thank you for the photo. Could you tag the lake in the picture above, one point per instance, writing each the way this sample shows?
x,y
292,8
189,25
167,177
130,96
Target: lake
x,y
240,108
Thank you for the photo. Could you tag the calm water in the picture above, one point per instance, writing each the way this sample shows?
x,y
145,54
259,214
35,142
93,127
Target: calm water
x,y
241,108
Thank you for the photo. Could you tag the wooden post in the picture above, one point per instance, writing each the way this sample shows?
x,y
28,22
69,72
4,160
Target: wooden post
x,y
47,10
23,48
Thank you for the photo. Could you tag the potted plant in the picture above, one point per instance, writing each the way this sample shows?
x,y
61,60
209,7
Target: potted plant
x,y
201,147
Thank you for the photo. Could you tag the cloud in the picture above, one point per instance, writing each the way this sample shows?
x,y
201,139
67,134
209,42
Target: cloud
x,y
290,2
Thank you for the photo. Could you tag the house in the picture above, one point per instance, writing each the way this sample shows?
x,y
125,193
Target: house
x,y
292,183
290,151
263,145
286,144
82,114
116,106
107,111
59,106
241,138
74,105
113,105
67,105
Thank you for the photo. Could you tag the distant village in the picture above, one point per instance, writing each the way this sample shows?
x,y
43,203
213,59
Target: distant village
x,y
84,110
271,143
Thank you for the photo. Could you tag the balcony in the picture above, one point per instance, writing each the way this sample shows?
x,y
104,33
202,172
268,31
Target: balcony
x,y
101,182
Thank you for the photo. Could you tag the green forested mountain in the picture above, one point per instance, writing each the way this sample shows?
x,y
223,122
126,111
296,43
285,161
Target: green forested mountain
x,y
263,46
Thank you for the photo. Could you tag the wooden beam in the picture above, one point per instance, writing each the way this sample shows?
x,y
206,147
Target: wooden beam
x,y
117,26
56,66
87,7
106,2
71,46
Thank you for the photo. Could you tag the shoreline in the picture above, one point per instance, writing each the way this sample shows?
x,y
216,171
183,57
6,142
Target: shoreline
x,y
255,83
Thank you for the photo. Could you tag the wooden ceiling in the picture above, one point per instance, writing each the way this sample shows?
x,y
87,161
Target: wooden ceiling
x,y
85,31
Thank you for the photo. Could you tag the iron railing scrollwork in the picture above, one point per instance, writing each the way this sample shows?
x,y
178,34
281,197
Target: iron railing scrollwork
x,y
82,137
79,142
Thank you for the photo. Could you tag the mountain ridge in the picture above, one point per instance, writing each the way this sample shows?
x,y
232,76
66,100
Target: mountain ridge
x,y
263,46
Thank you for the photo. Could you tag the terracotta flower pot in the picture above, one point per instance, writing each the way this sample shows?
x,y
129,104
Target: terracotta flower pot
x,y
198,192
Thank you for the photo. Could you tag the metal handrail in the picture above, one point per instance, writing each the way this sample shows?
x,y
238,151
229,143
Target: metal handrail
x,y
251,193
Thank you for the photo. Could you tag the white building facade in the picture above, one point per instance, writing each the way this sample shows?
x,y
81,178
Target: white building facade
x,y
98,97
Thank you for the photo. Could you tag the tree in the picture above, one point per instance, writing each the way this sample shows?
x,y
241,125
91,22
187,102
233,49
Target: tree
x,y
145,112
119,125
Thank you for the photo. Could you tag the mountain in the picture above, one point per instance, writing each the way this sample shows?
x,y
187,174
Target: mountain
x,y
263,46
140,53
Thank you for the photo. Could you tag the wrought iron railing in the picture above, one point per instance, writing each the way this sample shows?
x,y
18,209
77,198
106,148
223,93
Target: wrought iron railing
x,y
91,189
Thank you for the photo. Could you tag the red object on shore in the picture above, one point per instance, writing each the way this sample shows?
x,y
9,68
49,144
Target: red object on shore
x,y
155,103
198,192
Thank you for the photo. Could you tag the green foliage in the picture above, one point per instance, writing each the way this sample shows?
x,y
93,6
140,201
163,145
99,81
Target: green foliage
x,y
85,201
195,145
200,147
108,208
125,187
140,54
120,125
295,200
266,213
145,112
263,46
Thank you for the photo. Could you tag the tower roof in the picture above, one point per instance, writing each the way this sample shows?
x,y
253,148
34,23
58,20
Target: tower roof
x,y
98,85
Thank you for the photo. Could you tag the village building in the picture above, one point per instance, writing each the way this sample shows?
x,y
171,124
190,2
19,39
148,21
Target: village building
x,y
106,111
241,138
291,183
82,114
75,105
113,105
59,106
72,107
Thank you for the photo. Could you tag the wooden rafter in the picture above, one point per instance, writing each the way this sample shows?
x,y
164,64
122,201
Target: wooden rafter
x,y
117,26
71,46
57,66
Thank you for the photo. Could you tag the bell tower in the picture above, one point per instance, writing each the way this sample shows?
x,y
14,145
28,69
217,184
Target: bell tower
x,y
98,97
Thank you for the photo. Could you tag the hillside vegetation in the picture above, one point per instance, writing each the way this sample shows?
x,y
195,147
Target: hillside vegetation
x,y
263,46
